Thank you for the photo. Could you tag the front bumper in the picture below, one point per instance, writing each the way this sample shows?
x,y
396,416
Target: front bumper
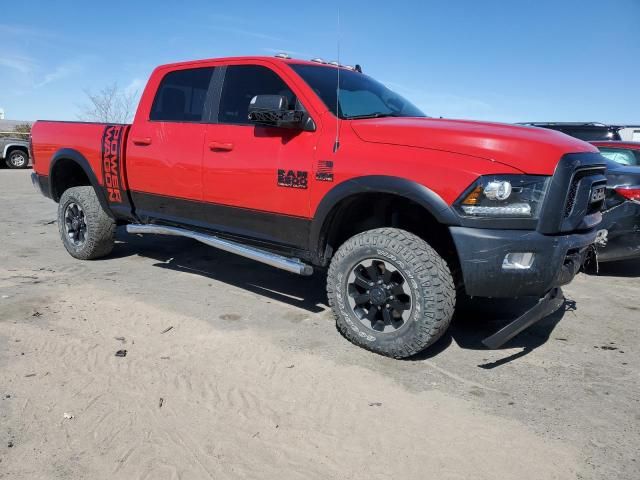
x,y
482,251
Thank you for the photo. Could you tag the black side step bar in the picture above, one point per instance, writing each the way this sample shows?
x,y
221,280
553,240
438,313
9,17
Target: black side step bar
x,y
548,304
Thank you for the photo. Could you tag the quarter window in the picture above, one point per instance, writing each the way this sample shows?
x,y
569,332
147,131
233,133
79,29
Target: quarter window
x,y
241,84
181,96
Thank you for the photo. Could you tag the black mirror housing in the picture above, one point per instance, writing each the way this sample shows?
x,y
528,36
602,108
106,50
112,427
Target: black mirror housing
x,y
273,111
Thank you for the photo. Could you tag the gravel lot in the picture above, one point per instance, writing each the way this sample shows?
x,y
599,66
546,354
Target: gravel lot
x,y
254,381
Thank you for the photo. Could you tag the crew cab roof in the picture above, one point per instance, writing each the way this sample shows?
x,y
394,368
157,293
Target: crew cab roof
x,y
247,59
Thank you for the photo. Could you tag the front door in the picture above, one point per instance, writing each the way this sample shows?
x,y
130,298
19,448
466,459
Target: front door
x,y
259,176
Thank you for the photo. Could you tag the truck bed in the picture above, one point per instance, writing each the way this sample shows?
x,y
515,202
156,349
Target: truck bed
x,y
99,150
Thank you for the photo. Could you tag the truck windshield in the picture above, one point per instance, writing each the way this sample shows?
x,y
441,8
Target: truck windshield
x,y
360,95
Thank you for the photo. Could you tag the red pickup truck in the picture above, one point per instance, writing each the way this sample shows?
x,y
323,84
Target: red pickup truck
x,y
268,158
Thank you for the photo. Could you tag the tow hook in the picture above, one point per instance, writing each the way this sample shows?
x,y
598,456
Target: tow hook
x,y
552,301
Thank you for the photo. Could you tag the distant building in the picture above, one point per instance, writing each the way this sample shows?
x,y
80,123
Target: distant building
x,y
1,114
630,133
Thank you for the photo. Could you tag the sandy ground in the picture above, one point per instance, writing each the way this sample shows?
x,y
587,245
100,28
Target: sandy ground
x,y
254,381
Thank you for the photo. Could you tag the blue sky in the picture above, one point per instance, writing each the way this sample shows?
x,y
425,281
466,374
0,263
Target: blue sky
x,y
509,60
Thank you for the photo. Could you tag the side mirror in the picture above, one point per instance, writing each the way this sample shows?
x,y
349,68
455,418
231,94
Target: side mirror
x,y
273,111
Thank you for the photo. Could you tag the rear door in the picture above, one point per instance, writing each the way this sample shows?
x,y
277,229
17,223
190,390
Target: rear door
x,y
258,176
164,152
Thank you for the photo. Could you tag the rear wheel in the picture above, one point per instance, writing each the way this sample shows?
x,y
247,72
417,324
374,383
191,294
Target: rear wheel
x,y
86,230
390,292
17,159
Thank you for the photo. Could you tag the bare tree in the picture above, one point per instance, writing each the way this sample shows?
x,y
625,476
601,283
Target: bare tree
x,y
23,129
109,105
19,131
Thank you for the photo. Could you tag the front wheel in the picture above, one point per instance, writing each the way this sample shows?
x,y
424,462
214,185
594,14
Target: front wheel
x,y
390,292
17,159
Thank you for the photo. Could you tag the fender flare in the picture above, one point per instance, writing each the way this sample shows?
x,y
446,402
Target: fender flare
x,y
416,192
10,145
82,162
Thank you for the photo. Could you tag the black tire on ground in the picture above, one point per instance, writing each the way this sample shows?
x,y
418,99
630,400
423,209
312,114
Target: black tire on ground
x,y
17,159
99,228
424,275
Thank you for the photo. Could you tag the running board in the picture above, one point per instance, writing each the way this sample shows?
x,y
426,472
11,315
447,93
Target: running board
x,y
292,265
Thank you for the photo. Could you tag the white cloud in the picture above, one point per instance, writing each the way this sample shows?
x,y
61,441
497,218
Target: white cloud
x,y
15,30
240,26
60,72
17,62
247,33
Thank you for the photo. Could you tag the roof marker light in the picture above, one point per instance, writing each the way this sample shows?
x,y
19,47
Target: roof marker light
x,y
282,55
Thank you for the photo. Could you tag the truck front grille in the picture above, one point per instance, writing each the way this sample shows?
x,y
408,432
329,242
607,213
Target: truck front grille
x,y
572,196
569,206
579,203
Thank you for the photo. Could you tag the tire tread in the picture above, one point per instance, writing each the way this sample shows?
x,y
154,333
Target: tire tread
x,y
432,274
100,226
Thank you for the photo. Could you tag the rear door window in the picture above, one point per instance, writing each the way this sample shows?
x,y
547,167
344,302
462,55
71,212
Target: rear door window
x,y
181,96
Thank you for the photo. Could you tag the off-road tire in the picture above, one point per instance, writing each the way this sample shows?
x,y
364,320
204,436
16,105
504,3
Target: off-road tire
x,y
100,227
13,155
429,278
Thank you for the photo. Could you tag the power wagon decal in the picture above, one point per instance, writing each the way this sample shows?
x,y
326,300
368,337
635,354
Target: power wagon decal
x,y
111,165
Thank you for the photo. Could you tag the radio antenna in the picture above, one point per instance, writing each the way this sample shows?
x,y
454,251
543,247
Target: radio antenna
x,y
336,144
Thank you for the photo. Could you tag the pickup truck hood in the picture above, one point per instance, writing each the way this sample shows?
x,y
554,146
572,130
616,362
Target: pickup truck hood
x,y
531,150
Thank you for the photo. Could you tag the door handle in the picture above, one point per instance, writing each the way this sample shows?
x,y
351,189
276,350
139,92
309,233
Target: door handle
x,y
220,146
141,140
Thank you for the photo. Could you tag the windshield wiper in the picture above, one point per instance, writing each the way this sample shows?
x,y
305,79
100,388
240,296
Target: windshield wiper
x,y
372,115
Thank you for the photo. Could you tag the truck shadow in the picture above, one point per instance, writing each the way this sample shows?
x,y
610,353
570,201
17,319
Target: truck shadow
x,y
186,255
474,321
477,319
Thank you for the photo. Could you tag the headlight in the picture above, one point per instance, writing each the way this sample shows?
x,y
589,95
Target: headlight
x,y
505,196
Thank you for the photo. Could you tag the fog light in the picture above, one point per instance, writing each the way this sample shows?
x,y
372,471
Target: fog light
x,y
517,261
